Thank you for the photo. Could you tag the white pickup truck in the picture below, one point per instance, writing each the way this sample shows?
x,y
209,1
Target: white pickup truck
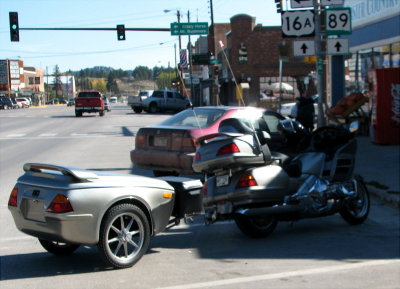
x,y
135,101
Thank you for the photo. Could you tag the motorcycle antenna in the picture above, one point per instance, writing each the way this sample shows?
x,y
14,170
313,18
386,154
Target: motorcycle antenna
x,y
190,100
233,75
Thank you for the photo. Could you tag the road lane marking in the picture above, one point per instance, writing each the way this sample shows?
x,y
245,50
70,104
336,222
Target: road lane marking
x,y
16,135
47,134
255,278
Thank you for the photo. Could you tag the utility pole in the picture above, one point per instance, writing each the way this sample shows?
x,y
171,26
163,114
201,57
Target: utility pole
x,y
190,63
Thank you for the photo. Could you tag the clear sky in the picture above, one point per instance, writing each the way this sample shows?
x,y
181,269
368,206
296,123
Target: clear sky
x,y
83,49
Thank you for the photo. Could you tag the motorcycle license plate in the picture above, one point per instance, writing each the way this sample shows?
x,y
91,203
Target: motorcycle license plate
x,y
222,180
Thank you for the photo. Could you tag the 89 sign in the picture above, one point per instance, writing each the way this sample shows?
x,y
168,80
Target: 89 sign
x,y
338,21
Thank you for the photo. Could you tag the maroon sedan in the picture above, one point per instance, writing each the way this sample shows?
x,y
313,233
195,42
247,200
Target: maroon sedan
x,y
169,147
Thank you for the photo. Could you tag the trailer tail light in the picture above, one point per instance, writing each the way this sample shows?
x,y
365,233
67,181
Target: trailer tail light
x,y
228,149
60,204
246,180
13,200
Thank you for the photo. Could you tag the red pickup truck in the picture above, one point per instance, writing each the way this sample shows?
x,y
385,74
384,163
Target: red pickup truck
x,y
89,101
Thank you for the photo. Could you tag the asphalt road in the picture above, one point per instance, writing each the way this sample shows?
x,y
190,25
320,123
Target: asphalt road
x,y
314,253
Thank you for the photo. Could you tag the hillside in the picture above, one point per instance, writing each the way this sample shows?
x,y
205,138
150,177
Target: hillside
x,y
129,86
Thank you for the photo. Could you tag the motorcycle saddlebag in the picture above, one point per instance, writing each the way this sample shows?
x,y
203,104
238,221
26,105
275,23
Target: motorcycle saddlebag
x,y
188,196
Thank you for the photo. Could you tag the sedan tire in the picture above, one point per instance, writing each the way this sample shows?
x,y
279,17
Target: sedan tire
x,y
124,235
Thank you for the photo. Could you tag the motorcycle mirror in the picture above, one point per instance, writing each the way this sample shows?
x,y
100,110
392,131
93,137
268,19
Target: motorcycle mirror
x,y
266,135
287,125
354,125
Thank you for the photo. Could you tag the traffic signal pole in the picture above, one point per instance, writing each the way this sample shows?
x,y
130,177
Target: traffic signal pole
x,y
320,69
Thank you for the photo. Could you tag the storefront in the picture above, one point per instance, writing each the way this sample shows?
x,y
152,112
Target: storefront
x,y
374,67
375,40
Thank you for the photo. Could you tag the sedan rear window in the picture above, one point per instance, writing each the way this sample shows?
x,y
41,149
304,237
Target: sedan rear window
x,y
198,117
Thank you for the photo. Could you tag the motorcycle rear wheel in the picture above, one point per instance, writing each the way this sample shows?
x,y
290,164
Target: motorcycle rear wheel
x,y
256,226
356,210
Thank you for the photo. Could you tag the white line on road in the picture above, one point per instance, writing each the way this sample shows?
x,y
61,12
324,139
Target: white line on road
x,y
264,277
16,135
47,134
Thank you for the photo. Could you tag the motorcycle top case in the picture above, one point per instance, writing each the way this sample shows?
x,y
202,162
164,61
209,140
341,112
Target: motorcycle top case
x,y
188,195
225,151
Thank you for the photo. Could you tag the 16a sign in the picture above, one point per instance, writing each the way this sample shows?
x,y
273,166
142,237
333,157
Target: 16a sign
x,y
298,23
338,21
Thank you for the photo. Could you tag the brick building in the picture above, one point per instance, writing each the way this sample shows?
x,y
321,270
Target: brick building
x,y
254,52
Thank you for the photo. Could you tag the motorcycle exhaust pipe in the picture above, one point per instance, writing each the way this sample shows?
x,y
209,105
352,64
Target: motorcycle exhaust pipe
x,y
276,210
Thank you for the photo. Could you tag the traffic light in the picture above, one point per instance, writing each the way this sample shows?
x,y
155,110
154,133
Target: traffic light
x,y
215,70
121,32
14,28
278,6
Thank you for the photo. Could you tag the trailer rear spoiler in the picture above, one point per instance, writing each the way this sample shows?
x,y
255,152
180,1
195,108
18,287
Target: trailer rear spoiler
x,y
80,174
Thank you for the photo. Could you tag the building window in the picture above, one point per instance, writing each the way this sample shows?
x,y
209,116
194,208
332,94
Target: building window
x,y
31,80
37,80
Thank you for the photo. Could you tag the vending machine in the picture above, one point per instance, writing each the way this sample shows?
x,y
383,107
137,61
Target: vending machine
x,y
385,105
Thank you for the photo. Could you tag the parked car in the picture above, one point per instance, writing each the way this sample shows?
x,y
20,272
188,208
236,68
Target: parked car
x,y
7,103
71,102
113,99
16,103
169,147
24,101
63,101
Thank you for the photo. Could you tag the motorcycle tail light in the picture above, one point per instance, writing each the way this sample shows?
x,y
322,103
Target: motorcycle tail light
x,y
246,180
60,204
13,200
228,149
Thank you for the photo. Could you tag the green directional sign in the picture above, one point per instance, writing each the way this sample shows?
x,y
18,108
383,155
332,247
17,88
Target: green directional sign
x,y
189,28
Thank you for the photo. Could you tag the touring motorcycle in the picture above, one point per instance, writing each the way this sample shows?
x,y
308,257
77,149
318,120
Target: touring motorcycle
x,y
255,187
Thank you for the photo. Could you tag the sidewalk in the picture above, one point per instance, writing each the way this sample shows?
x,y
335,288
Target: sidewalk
x,y
379,165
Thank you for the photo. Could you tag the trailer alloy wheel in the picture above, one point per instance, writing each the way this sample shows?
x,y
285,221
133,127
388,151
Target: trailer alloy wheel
x,y
256,226
124,235
58,248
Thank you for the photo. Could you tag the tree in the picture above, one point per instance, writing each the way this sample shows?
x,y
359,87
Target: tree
x,y
100,85
142,73
164,79
112,84
57,82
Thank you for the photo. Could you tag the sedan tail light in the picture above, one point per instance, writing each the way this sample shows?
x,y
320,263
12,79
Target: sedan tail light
x,y
246,180
228,149
60,204
13,200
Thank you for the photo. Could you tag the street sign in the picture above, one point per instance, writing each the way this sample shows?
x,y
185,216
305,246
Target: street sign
x,y
332,2
337,46
304,48
298,23
301,3
189,28
338,21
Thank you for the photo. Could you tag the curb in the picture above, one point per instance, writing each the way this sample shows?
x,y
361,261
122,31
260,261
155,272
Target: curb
x,y
391,199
